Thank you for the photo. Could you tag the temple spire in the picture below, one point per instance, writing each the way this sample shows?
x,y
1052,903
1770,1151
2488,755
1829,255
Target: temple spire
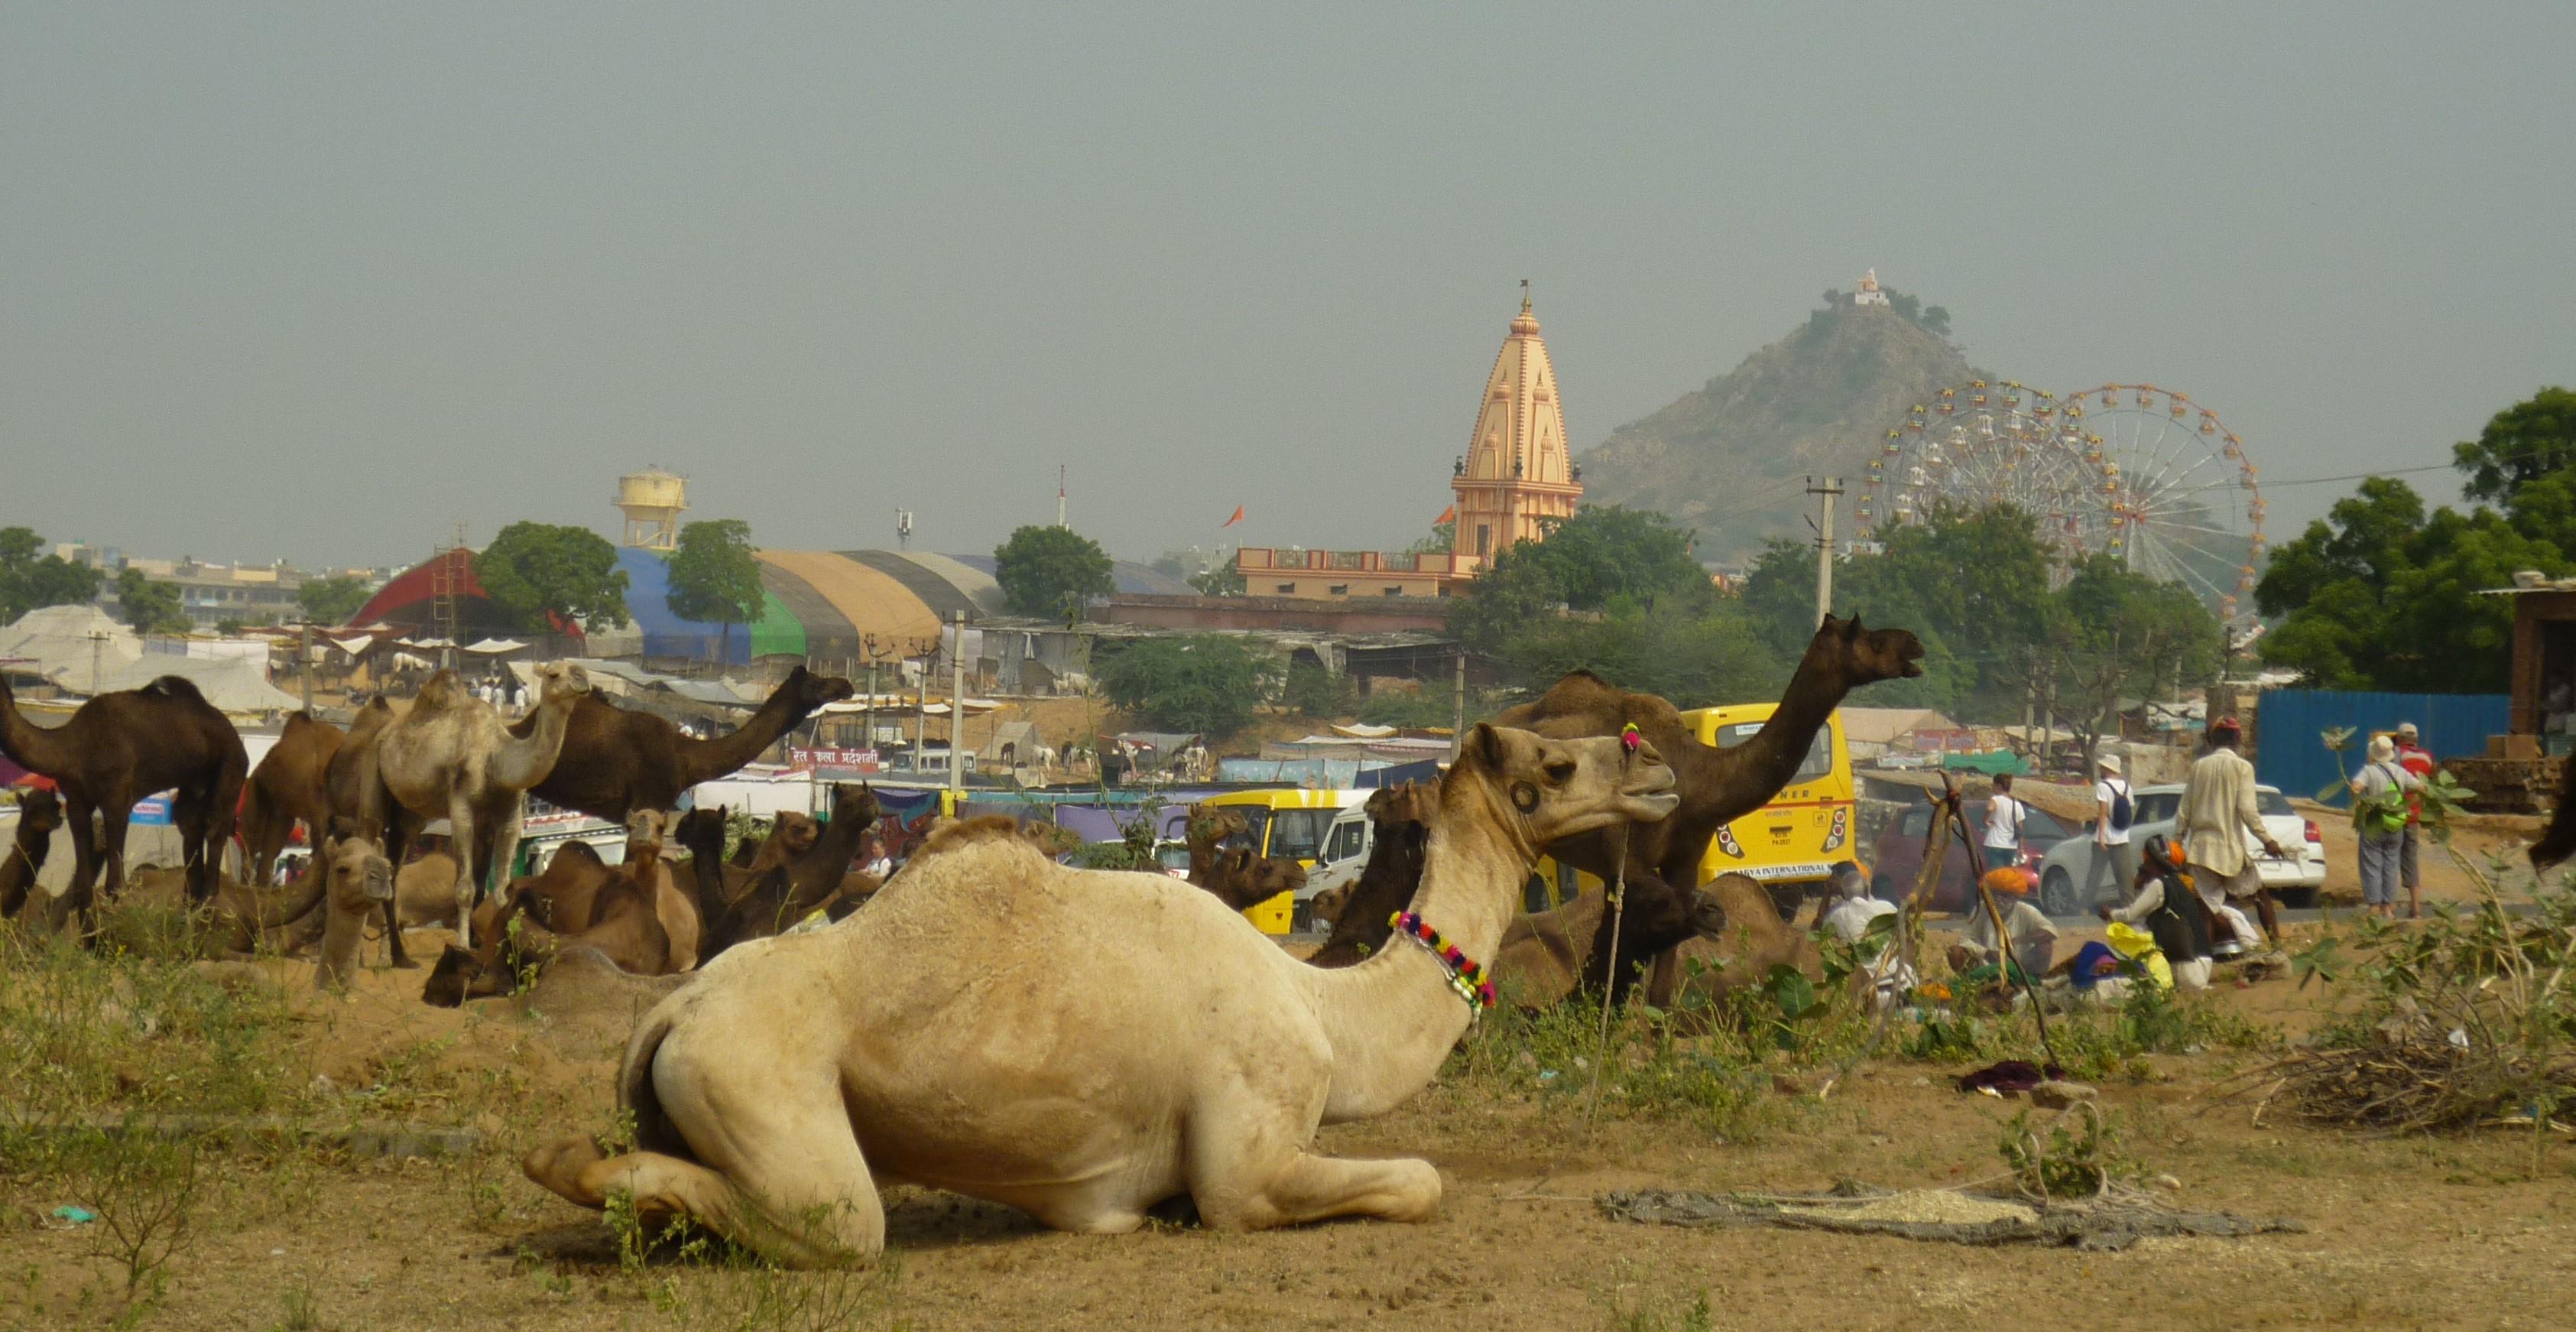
x,y
1518,476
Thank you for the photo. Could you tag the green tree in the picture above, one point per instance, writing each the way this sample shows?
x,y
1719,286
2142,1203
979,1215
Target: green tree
x,y
1205,684
29,580
152,608
533,570
1315,692
1051,571
1441,540
715,576
1222,580
332,600
2532,439
1602,556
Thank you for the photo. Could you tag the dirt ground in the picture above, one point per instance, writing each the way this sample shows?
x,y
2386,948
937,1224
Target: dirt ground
x,y
2460,1232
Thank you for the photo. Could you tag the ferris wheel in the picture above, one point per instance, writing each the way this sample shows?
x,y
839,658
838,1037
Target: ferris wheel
x,y
2185,506
1978,444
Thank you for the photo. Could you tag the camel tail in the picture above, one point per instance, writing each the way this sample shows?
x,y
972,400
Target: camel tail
x,y
2558,841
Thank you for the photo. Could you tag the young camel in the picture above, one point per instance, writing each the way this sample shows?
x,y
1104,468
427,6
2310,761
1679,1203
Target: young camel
x,y
939,1038
39,813
1548,955
632,914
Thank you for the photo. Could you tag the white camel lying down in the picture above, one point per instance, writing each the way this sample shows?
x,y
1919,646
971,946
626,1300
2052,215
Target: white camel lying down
x,y
1078,1044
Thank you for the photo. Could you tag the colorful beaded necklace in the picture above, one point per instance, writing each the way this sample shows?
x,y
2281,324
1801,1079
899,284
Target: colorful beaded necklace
x,y
1465,976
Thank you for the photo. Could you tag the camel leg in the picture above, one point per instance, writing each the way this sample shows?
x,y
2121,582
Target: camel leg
x,y
830,1233
394,954
460,835
189,813
112,819
79,816
1247,1172
223,805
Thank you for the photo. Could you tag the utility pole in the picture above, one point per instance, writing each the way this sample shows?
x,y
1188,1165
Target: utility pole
x,y
1458,702
1832,487
304,655
957,704
1059,495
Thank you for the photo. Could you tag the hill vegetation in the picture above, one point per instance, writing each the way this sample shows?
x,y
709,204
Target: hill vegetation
x,y
1726,460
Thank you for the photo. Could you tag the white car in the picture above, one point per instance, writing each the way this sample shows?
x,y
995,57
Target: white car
x,y
1344,853
2067,877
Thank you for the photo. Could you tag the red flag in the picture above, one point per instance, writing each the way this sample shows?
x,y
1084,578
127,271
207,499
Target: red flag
x,y
1447,515
1238,517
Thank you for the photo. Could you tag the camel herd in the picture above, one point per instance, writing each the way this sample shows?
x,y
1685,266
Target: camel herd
x,y
1091,1046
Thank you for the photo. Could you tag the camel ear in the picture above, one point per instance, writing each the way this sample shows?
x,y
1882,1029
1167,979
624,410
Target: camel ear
x,y
1486,744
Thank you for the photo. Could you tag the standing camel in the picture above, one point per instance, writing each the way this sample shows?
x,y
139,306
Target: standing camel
x,y
125,745
291,785
451,758
616,760
941,1038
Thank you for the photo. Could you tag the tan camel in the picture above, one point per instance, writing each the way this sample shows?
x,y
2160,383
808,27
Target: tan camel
x,y
1739,954
291,785
451,758
941,1038
358,881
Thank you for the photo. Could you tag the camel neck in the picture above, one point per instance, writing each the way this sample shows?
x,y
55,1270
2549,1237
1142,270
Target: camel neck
x,y
519,764
700,760
1393,1018
1721,785
28,745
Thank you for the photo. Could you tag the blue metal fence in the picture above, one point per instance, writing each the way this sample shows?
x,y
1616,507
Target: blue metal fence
x,y
2291,754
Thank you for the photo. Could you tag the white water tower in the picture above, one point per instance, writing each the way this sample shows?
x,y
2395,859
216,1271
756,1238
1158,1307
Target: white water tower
x,y
652,501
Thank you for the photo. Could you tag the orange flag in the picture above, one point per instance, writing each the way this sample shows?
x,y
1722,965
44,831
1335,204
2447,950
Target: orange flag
x,y
1238,517
1447,515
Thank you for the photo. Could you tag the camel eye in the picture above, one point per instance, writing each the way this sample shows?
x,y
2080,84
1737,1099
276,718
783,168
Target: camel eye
x,y
1561,771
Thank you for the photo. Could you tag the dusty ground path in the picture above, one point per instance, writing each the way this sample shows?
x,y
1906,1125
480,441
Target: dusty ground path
x,y
2436,1233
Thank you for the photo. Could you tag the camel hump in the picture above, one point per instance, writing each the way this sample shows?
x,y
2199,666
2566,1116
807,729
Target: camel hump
x,y
178,687
958,833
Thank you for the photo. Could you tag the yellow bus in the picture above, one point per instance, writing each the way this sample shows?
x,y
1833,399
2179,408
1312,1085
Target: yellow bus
x,y
1812,823
1290,825
1788,845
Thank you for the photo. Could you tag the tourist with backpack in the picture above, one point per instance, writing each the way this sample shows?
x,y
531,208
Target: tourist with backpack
x,y
2003,826
2115,861
2379,813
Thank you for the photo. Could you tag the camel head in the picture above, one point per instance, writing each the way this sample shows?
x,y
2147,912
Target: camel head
x,y
645,831
1212,824
795,833
810,691
1404,802
1269,876
360,874
1861,656
702,831
1562,788
39,813
855,802
566,678
1327,905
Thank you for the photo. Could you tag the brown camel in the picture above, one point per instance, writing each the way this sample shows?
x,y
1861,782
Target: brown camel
x,y
291,785
125,745
450,757
809,880
616,760
1740,954
2558,841
1243,880
1548,955
39,813
1206,829
1402,815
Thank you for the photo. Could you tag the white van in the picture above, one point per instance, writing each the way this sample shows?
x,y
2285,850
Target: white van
x,y
1344,854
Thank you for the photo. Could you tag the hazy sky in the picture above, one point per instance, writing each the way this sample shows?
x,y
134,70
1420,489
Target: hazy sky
x,y
318,282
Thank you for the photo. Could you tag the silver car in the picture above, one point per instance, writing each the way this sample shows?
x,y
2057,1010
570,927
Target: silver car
x,y
2071,882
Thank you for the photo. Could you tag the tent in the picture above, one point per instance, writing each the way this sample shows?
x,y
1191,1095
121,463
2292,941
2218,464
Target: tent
x,y
232,685
60,642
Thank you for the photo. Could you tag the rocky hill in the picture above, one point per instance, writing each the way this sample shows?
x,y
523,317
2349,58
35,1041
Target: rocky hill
x,y
1727,459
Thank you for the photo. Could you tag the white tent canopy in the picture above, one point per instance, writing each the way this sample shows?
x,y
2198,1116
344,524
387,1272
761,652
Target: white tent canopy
x,y
495,646
63,641
231,684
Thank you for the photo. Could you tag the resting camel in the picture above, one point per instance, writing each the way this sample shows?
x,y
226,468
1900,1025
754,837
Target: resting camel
x,y
1751,940
1548,955
338,797
806,882
1401,815
616,760
633,914
449,757
1205,829
122,746
39,813
1237,876
939,1038
1717,785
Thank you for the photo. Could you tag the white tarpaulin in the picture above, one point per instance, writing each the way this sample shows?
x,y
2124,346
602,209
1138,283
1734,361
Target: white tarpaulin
x,y
975,707
1363,731
495,646
62,641
231,684
353,646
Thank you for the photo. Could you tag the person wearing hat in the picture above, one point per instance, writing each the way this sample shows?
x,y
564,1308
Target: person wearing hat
x,y
2418,762
2163,902
2115,861
2034,940
2217,813
2381,825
